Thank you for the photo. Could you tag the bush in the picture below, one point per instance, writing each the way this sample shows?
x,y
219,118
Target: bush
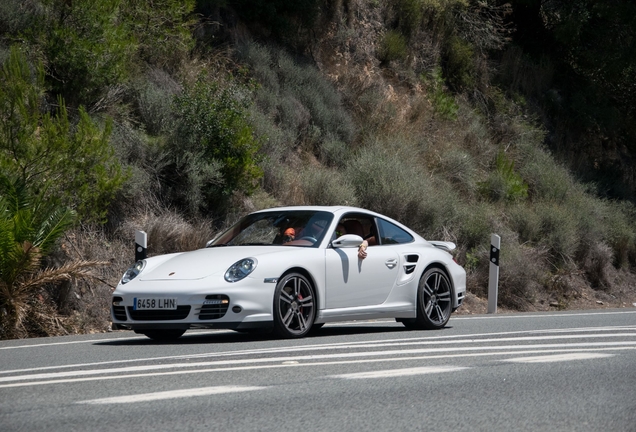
x,y
87,46
161,28
324,186
545,177
458,63
213,151
504,183
154,94
297,97
392,47
388,179
66,163
443,103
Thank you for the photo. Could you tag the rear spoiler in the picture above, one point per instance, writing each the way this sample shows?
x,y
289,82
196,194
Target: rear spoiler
x,y
447,246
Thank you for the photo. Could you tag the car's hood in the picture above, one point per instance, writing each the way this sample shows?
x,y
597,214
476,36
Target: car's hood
x,y
202,263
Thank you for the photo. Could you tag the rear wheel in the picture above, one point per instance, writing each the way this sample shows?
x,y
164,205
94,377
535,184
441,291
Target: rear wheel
x,y
164,335
294,306
434,301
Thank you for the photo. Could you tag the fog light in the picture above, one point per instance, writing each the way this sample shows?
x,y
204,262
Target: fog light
x,y
237,309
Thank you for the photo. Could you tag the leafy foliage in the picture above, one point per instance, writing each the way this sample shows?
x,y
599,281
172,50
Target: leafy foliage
x,y
162,29
393,47
29,229
87,47
212,133
62,163
504,182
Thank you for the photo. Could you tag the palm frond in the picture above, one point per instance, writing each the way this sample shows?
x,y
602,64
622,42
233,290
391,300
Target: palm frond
x,y
70,271
53,227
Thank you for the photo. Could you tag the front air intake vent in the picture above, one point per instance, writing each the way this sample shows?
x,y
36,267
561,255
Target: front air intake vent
x,y
119,312
214,307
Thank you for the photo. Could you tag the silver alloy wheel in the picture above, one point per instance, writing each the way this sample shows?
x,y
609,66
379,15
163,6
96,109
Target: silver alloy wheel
x,y
294,306
435,296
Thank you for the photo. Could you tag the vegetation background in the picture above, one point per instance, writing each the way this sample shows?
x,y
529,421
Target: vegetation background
x,y
459,118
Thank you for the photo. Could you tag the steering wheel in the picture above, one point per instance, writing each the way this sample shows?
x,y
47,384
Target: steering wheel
x,y
309,238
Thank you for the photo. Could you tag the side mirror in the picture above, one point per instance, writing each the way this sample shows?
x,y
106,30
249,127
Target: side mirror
x,y
347,241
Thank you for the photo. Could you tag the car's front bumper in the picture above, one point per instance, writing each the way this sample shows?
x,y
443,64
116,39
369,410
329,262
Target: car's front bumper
x,y
244,305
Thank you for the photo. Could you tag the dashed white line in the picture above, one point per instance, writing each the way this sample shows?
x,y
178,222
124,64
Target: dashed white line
x,y
173,394
392,373
558,357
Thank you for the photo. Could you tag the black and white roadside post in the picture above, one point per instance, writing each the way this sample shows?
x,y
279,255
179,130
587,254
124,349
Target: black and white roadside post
x,y
493,280
141,243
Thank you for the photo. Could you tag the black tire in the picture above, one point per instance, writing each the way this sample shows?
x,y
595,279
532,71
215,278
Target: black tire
x,y
294,306
164,335
434,302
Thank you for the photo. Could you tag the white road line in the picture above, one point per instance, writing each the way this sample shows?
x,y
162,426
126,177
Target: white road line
x,y
450,339
386,353
312,364
558,357
173,394
391,373
565,315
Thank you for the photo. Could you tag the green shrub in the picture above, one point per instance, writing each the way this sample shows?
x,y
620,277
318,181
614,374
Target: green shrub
x,y
324,186
545,177
559,232
475,224
388,178
443,102
162,29
87,46
620,220
213,151
410,14
154,94
297,97
458,63
504,183
72,164
392,47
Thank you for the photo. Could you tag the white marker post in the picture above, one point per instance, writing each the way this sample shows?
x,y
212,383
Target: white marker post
x,y
493,280
141,244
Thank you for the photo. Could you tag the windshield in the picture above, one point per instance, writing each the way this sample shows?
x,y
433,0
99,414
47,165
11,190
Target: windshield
x,y
286,228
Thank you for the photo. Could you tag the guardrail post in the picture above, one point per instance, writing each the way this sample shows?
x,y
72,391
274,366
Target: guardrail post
x,y
141,244
493,279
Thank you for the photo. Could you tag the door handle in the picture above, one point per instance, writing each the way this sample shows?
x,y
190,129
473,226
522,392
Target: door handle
x,y
391,263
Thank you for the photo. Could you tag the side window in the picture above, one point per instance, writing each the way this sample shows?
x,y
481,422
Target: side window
x,y
392,234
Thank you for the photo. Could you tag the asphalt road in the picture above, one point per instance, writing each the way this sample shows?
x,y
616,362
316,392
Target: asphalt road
x,y
568,371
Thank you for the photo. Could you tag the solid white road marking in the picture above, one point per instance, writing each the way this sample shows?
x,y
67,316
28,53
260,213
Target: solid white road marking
x,y
312,357
173,394
391,373
449,339
310,364
559,357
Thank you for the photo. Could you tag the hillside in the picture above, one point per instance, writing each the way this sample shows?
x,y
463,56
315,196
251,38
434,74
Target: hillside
x,y
177,118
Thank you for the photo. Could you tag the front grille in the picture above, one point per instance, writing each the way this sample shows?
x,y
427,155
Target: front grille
x,y
214,307
181,312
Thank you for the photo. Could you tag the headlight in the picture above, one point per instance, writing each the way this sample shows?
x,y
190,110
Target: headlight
x,y
133,271
240,269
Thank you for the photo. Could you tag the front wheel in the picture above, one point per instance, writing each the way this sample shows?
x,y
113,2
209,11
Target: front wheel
x,y
434,301
294,306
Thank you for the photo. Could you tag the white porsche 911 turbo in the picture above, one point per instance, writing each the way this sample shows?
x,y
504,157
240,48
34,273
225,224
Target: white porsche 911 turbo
x,y
291,269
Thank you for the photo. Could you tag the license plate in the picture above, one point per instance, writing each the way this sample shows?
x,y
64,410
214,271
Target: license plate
x,y
152,303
